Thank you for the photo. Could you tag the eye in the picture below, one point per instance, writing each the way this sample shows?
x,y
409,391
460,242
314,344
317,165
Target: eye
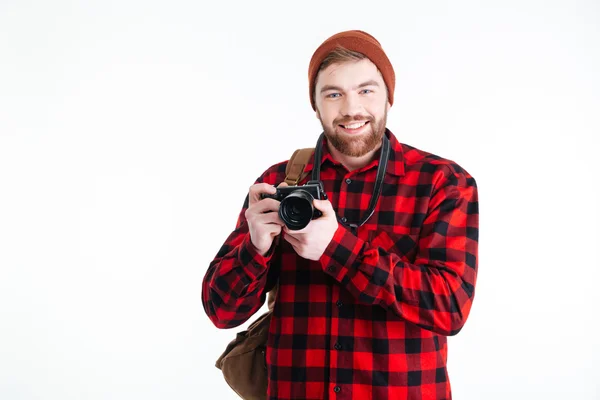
x,y
366,91
332,95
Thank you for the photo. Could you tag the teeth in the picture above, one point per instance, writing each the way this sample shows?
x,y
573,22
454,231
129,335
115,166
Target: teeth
x,y
354,126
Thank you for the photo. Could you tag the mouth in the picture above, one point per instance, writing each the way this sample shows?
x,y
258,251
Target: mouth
x,y
354,127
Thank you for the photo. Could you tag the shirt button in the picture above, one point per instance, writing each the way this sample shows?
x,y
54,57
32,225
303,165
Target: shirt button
x,y
331,269
337,389
338,346
344,219
348,181
339,303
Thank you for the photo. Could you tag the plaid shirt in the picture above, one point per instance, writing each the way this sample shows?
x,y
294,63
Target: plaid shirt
x,y
370,319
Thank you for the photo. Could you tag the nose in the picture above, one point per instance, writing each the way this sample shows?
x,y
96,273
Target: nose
x,y
351,105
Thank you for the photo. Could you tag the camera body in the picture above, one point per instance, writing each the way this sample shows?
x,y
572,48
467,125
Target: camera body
x,y
296,209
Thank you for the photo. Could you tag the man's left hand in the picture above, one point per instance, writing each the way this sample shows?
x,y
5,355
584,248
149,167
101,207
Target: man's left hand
x,y
311,242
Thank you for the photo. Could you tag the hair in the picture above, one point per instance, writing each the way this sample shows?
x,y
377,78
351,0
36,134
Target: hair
x,y
338,56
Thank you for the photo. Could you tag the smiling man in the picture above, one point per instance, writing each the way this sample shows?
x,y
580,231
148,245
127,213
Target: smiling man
x,y
369,291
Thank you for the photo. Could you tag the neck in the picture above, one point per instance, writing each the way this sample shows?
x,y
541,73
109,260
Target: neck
x,y
353,163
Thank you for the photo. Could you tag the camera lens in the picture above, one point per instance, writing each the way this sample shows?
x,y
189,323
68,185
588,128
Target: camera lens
x,y
296,210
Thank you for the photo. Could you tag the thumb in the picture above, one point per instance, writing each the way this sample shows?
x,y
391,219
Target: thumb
x,y
324,206
282,184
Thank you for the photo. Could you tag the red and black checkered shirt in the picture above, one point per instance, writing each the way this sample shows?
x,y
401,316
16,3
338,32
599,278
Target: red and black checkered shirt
x,y
369,320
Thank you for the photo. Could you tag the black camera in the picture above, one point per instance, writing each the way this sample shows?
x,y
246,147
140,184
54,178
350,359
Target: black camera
x,y
296,209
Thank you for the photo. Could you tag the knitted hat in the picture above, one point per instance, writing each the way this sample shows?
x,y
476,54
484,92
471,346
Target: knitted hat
x,y
358,41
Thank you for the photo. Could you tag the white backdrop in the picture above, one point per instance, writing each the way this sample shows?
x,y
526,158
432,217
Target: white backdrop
x,y
131,130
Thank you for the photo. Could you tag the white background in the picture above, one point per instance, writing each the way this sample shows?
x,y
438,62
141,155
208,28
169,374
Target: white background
x,y
130,132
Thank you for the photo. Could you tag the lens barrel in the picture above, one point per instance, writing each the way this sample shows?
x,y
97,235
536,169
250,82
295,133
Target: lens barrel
x,y
296,210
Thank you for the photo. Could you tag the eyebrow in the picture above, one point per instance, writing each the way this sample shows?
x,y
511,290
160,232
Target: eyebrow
x,y
332,87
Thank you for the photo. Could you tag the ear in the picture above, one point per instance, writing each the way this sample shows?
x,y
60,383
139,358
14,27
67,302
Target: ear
x,y
388,106
317,114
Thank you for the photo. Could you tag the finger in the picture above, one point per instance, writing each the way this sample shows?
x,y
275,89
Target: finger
x,y
282,184
297,232
292,240
296,248
256,190
272,229
264,206
324,206
269,218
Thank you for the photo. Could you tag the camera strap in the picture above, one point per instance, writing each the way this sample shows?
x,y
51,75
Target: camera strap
x,y
383,159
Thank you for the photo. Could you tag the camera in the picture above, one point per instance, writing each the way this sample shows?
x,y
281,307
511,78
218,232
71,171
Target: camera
x,y
296,209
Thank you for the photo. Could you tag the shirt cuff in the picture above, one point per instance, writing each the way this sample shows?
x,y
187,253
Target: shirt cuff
x,y
341,253
251,259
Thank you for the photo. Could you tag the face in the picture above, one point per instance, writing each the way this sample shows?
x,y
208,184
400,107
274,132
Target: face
x,y
352,105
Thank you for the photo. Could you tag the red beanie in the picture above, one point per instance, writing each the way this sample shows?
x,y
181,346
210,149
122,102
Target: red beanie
x,y
358,41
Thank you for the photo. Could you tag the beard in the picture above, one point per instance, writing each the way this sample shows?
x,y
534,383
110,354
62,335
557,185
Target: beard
x,y
356,146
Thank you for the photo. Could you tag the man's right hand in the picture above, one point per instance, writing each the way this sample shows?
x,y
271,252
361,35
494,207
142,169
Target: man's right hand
x,y
263,217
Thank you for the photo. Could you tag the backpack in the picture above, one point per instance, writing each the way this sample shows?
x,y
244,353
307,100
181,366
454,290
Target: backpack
x,y
244,362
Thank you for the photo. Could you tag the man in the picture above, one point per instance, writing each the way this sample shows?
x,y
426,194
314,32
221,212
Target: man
x,y
365,303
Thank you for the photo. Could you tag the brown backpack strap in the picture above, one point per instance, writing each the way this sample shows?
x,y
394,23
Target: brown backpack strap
x,y
271,296
294,170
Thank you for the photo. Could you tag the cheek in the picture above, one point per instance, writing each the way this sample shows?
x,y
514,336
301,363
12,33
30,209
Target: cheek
x,y
328,115
376,110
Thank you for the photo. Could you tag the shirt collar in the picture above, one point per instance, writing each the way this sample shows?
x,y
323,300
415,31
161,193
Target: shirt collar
x,y
395,165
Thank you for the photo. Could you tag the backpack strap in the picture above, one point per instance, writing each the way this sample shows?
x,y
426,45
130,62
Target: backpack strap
x,y
271,296
294,171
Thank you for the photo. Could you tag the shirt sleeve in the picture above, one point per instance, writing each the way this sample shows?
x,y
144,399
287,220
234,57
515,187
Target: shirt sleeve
x,y
436,292
233,288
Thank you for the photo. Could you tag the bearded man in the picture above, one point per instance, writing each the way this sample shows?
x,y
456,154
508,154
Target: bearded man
x,y
368,291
